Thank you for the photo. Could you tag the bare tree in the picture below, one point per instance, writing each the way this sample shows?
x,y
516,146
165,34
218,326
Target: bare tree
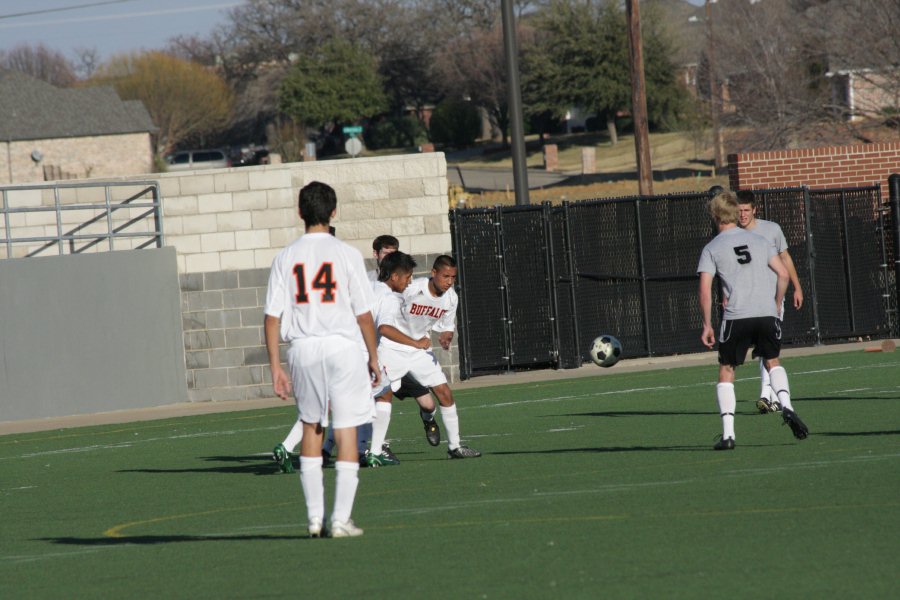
x,y
863,45
40,62
774,74
87,61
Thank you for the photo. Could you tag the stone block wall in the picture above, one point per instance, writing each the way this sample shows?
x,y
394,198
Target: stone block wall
x,y
224,341
830,166
227,225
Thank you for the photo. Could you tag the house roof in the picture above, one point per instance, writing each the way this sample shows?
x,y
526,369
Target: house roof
x,y
31,109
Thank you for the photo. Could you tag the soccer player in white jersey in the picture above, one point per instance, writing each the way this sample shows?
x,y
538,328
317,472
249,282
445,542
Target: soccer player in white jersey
x,y
429,304
381,247
743,261
768,402
396,270
319,300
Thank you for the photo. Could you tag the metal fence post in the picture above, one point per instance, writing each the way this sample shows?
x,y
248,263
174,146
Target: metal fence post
x,y
811,257
845,235
465,371
550,277
894,199
571,275
504,287
645,313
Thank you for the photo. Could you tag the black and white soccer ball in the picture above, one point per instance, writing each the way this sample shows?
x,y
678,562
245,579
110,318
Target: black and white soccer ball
x,y
606,351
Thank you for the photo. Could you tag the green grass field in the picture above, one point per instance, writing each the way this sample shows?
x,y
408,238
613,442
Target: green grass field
x,y
594,487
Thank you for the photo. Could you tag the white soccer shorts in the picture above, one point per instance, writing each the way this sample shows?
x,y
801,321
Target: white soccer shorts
x,y
331,368
421,364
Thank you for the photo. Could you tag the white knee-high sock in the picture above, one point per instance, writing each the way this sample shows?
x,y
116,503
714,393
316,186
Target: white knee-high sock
x,y
313,483
451,424
380,425
363,435
779,380
727,402
294,437
346,482
765,388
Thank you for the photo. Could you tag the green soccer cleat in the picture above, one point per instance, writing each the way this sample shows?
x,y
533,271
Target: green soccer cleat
x,y
283,459
380,460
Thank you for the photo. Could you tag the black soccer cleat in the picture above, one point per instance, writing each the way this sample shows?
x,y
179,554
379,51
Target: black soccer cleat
x,y
386,450
798,427
724,444
432,432
463,452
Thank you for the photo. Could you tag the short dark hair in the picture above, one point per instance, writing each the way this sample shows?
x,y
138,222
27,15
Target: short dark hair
x,y
385,241
443,261
746,197
394,262
317,202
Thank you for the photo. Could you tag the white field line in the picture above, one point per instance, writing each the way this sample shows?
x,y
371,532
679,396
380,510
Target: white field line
x,y
131,443
709,383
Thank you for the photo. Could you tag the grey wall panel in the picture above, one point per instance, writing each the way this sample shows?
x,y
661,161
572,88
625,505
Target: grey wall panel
x,y
83,334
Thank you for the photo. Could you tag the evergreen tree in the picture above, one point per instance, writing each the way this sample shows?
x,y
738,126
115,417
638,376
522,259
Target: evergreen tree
x,y
337,84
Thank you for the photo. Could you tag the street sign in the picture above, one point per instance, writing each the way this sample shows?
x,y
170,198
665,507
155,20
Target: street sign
x,y
352,129
353,146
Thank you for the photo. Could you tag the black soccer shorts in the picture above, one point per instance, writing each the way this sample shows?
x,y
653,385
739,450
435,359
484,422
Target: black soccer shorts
x,y
738,335
410,388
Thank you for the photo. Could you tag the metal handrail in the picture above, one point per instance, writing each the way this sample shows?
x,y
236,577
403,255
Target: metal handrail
x,y
71,236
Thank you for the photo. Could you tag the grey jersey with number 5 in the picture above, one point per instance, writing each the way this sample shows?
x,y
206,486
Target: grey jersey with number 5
x,y
741,260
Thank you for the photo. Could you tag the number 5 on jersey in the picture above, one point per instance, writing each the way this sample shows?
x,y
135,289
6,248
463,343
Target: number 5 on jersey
x,y
323,281
743,254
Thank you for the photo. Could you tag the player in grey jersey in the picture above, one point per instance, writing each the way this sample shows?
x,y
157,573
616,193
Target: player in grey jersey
x,y
768,402
744,263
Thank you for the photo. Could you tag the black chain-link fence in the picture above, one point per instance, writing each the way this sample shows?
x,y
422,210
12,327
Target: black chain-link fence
x,y
539,283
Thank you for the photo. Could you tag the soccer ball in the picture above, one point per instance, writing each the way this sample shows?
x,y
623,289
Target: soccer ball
x,y
606,350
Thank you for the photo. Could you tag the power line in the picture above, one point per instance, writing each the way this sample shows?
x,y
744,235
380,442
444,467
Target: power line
x,y
63,8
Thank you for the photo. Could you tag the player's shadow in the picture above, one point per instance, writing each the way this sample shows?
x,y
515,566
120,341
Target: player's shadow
x,y
841,398
635,413
150,540
607,450
858,433
247,465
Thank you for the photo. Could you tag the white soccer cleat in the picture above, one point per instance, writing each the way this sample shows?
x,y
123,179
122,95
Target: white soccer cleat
x,y
314,527
342,529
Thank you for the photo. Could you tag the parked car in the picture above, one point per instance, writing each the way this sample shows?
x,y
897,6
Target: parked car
x,y
190,160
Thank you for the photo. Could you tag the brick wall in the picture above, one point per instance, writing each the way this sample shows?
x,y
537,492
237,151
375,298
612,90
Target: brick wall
x,y
831,166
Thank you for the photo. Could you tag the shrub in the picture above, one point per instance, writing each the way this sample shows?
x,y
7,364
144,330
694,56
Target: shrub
x,y
455,122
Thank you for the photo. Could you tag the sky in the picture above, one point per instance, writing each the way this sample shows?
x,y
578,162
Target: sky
x,y
111,26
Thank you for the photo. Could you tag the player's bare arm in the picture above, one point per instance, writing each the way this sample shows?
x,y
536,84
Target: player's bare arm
x,y
777,265
395,335
708,336
795,280
280,380
445,338
367,328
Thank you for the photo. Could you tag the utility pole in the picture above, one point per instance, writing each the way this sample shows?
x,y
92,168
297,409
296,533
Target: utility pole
x,y
639,100
715,96
516,120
